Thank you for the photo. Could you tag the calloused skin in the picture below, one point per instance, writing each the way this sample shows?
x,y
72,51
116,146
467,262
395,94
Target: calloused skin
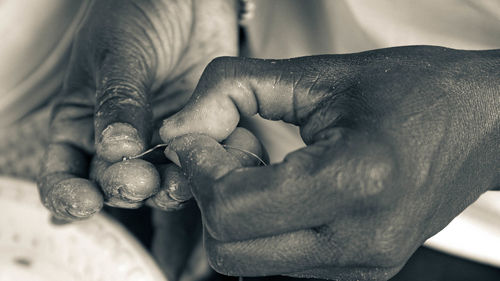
x,y
132,64
399,142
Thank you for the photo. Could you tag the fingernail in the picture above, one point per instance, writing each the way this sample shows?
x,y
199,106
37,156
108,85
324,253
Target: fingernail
x,y
165,205
172,156
82,213
119,140
118,203
75,198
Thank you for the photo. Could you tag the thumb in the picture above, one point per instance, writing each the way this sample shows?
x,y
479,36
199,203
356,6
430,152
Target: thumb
x,y
124,61
204,160
287,90
123,115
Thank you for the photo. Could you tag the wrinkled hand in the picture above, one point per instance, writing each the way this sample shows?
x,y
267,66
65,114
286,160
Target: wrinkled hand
x,y
133,62
400,141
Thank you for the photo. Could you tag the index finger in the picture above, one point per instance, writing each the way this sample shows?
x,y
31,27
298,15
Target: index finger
x,y
285,90
123,113
312,187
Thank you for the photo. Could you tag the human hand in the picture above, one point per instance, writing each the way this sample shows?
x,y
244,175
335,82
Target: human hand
x,y
400,141
133,62
177,234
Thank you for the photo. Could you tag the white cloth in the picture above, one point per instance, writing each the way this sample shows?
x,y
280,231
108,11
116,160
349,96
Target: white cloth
x,y
36,37
291,28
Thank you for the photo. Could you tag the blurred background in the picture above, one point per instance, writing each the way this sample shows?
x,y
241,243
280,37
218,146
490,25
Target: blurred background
x,y
36,38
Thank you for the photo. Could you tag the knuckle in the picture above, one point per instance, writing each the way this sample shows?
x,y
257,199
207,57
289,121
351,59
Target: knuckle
x,y
372,174
377,175
118,92
388,248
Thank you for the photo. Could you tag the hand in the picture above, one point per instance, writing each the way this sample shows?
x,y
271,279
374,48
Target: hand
x,y
177,233
400,141
133,62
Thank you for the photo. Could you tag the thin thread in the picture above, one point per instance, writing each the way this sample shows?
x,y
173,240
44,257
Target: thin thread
x,y
247,152
165,145
145,152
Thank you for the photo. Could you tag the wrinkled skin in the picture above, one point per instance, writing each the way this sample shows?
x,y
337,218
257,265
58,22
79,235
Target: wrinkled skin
x,y
399,142
132,63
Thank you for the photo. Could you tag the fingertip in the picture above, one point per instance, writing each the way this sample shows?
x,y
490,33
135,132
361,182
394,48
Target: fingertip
x,y
175,190
162,202
202,158
213,117
119,140
98,167
127,183
184,122
178,145
175,182
245,147
74,198
170,129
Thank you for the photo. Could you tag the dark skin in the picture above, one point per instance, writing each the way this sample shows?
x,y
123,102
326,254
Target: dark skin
x,y
133,63
399,142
